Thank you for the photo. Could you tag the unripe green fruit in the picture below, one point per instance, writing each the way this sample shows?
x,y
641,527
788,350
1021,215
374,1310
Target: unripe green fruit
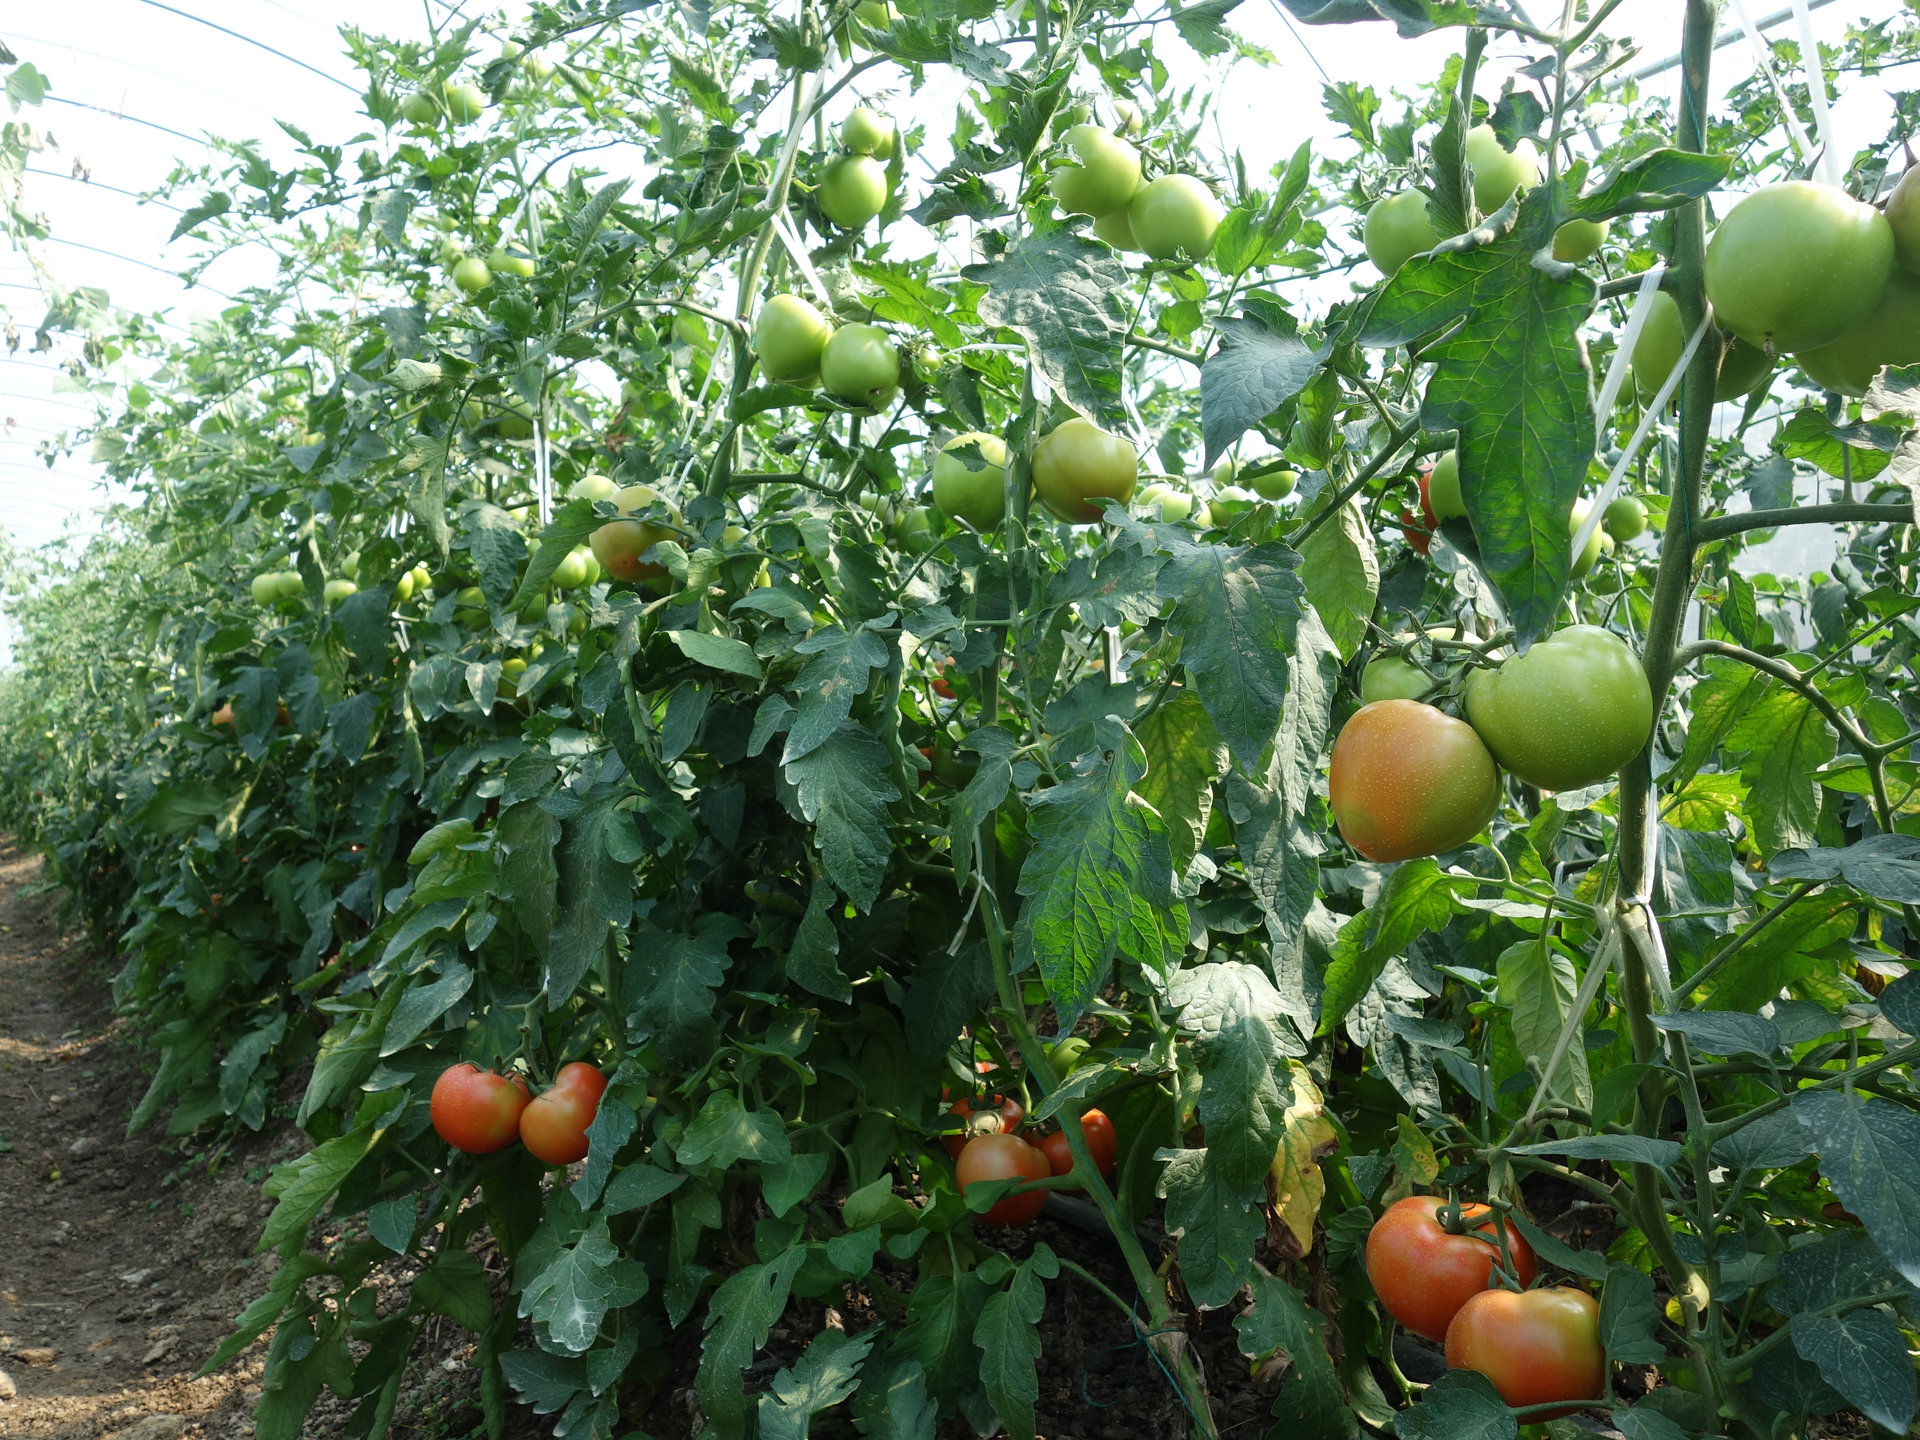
x,y
853,190
592,487
472,275
420,108
465,103
1498,171
1397,229
1626,518
337,590
788,337
1578,240
867,132
1796,265
1104,179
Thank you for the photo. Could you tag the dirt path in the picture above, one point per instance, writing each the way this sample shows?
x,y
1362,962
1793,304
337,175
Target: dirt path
x,y
122,1262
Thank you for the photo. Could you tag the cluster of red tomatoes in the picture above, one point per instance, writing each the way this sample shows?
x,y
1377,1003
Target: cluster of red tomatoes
x,y
1535,1346
1408,779
481,1111
988,1146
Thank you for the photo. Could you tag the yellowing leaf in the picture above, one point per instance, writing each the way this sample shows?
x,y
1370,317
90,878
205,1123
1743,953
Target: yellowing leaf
x,y
1294,1177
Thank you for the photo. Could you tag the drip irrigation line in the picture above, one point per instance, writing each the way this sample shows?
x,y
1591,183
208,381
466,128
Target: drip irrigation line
x,y
257,44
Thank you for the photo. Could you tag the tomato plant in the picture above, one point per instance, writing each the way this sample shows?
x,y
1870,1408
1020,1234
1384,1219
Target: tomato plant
x,y
1424,1272
478,1111
1003,1157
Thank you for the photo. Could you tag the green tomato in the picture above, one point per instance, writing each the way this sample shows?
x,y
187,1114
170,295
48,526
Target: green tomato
x,y
1175,215
337,590
876,14
1578,240
465,103
1442,491
788,337
1170,505
1116,230
1069,1054
403,588
1127,116
970,479
265,588
853,190
1796,265
420,108
292,587
1104,179
1230,502
505,262
1626,518
593,487
1398,229
571,572
1077,465
422,578
1498,171
1568,713
1890,335
867,132
472,275
1903,217
860,365
510,673
1662,340
1590,552
1274,484
1393,677
912,530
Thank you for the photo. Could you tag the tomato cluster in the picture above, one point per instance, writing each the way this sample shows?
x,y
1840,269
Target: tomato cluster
x,y
988,1146
1437,1271
481,1111
1407,779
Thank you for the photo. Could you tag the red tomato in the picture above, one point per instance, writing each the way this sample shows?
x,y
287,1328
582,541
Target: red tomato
x,y
1004,1157
1536,1346
942,686
1407,780
1102,1143
477,1110
223,716
554,1126
993,1115
1421,538
1423,1274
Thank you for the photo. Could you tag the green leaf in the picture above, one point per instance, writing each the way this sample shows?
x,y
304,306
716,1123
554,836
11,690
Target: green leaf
x,y
638,1186
726,1132
1242,1037
1725,1032
842,787
843,663
1460,1405
1656,181
1558,1254
302,1187
1255,371
457,1285
1342,576
827,1372
216,203
673,980
595,891
1098,884
983,795
717,652
1538,985
1218,1230
1828,1273
1008,1337
1784,741
1630,1318
1236,612
1864,1356
739,1318
1855,453
813,958
1870,1153
1886,867
1311,1404
1415,899
571,1296
1510,375
1060,293
422,1004
1203,25
1621,1149
1185,755
1786,951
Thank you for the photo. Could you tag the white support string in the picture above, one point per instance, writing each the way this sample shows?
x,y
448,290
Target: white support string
x,y
1640,434
1764,54
1816,74
1616,377
797,248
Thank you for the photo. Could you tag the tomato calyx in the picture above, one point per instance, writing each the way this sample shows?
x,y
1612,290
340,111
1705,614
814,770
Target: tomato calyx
x,y
1490,1225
